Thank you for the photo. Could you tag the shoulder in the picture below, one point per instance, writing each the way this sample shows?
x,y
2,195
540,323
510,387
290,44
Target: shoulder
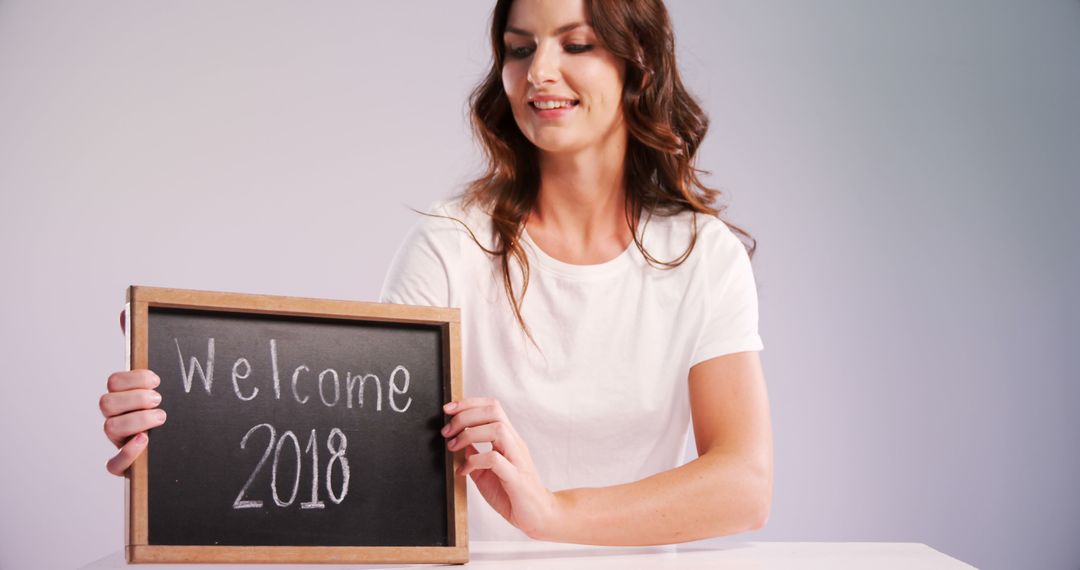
x,y
440,248
669,237
450,223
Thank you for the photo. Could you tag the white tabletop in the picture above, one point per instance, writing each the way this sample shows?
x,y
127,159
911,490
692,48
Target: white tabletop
x,y
726,556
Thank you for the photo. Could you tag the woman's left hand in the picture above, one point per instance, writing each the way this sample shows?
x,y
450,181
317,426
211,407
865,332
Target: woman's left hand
x,y
505,476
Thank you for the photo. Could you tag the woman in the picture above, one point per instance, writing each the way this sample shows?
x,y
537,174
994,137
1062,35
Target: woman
x,y
604,304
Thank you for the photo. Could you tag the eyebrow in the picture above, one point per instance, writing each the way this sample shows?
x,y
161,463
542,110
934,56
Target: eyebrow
x,y
559,30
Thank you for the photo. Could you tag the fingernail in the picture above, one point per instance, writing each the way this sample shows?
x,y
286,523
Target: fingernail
x,y
155,398
451,442
160,415
450,407
140,438
446,429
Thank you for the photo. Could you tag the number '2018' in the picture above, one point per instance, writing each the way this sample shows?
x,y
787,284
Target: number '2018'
x,y
335,443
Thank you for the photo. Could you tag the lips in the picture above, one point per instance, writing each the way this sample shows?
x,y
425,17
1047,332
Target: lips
x,y
547,105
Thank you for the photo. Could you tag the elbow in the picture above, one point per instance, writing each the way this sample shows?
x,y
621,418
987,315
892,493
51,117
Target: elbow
x,y
749,513
743,506
761,504
759,516
740,496
752,512
757,500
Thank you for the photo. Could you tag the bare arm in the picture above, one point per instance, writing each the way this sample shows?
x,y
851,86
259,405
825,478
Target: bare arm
x,y
726,490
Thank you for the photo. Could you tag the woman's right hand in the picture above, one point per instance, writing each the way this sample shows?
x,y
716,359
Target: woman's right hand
x,y
129,408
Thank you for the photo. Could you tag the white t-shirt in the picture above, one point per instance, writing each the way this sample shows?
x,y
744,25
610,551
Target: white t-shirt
x,y
604,400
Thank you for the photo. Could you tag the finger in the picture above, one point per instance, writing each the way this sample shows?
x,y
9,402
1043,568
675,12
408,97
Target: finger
x,y
498,434
127,454
470,403
469,452
492,461
473,417
132,380
116,403
119,428
123,321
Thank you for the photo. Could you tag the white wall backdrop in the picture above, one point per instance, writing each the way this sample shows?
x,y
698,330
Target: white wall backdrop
x,y
911,169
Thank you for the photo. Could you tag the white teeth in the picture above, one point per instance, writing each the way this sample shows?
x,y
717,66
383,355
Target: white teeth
x,y
551,104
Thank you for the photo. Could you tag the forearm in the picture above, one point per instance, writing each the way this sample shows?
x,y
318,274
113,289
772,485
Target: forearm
x,y
713,495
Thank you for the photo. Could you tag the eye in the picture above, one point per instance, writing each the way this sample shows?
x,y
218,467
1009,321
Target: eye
x,y
518,52
578,48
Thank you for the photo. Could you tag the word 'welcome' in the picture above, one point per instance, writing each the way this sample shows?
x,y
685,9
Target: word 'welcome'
x,y
328,382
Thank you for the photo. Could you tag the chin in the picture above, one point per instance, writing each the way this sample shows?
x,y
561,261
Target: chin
x,y
555,144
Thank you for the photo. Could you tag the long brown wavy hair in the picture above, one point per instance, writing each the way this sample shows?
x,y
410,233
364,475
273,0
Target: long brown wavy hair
x,y
665,129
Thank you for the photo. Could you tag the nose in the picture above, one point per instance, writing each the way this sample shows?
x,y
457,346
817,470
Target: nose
x,y
544,67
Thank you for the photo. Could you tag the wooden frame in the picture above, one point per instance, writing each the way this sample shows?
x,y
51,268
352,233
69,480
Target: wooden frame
x,y
141,299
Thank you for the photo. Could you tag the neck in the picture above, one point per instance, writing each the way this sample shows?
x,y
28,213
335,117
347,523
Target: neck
x,y
579,187
580,208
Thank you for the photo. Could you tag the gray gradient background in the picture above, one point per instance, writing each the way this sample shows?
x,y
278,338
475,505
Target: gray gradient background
x,y
910,168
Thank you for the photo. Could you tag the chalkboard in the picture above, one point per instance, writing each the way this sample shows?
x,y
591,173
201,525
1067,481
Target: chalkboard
x,y
298,430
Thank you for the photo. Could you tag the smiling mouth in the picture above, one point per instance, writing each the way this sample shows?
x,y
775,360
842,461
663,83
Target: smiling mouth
x,y
549,105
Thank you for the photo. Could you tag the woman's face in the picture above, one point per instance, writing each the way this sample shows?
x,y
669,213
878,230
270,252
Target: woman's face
x,y
564,87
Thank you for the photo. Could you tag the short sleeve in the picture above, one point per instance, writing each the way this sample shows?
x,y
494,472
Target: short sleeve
x,y
421,270
730,320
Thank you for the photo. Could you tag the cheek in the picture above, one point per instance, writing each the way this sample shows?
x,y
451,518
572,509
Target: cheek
x,y
599,80
512,82
606,90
